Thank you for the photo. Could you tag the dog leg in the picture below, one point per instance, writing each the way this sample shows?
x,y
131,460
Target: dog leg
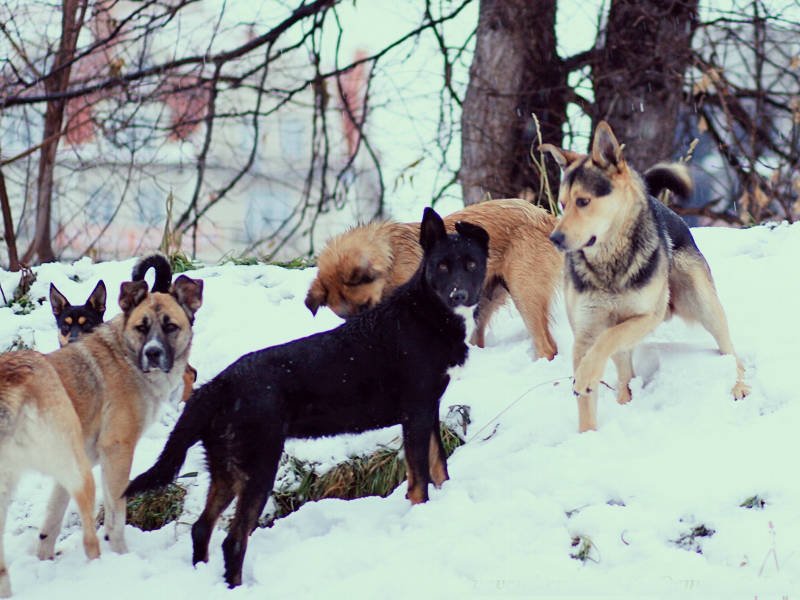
x,y
698,300
587,403
115,465
7,484
56,507
622,336
624,362
416,441
489,302
437,458
220,495
258,484
534,306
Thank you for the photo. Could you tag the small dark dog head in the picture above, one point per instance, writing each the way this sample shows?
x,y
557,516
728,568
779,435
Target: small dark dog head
x,y
454,266
75,321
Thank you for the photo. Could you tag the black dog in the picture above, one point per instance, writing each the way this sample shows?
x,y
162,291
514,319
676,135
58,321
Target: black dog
x,y
76,321
384,367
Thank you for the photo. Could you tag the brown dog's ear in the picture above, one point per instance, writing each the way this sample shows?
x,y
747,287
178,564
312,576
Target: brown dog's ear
x,y
97,299
606,150
316,296
58,302
189,294
564,158
131,294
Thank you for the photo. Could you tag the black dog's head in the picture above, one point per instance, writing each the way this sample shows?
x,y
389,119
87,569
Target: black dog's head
x,y
454,266
75,321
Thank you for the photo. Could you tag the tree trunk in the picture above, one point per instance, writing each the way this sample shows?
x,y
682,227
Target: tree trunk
x,y
71,19
515,72
638,74
8,226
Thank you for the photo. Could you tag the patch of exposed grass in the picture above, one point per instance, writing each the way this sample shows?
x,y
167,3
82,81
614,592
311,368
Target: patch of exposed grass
x,y
301,262
755,502
689,540
181,263
246,261
376,474
153,510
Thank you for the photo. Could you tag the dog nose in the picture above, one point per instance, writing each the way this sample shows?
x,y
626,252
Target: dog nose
x,y
458,296
558,239
153,353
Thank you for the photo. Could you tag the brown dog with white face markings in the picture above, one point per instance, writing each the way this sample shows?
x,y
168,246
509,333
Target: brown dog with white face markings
x,y
631,263
89,403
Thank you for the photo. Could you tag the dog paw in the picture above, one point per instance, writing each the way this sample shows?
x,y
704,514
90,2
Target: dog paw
x,y
586,380
624,394
740,390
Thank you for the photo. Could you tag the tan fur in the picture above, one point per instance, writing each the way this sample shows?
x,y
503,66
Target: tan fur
x,y
362,266
89,403
609,319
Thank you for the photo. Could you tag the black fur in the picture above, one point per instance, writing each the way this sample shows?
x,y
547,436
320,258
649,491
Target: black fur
x,y
591,179
163,270
386,366
73,322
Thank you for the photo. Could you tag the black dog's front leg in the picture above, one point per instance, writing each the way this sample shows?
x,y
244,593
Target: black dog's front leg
x,y
417,434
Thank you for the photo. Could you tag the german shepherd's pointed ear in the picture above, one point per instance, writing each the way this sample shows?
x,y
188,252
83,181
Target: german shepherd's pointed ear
x,y
564,158
97,299
606,150
317,296
131,294
58,301
473,232
431,230
189,294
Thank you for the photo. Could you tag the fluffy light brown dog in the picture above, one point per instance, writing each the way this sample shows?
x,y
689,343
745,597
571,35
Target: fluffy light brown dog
x,y
362,266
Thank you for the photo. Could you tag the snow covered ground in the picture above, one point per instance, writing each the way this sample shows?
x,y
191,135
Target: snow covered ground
x,y
681,455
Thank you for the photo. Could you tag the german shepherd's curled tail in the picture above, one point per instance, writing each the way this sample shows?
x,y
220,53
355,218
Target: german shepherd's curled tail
x,y
674,177
191,426
159,262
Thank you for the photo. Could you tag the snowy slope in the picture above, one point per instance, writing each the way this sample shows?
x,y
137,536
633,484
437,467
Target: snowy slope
x,y
682,454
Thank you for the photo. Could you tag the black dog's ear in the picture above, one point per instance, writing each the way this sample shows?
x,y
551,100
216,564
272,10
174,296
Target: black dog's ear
x,y
431,230
606,150
97,299
189,294
473,232
317,296
131,294
58,302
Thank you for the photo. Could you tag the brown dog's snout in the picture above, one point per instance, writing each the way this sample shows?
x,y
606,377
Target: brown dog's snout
x,y
558,239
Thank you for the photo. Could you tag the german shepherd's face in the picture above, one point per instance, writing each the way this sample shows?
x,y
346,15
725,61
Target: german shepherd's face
x,y
454,266
596,192
352,274
74,322
158,326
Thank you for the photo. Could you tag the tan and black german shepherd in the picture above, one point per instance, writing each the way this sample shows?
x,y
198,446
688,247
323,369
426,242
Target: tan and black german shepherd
x,y
631,263
89,402
364,265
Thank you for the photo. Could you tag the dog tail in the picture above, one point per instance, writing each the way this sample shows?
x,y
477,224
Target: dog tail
x,y
163,270
674,177
194,421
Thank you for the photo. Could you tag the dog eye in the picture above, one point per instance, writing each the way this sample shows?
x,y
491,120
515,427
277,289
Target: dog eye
x,y
471,265
142,327
443,268
169,327
582,202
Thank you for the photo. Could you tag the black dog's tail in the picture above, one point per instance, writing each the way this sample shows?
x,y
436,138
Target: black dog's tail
x,y
194,421
163,270
674,177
